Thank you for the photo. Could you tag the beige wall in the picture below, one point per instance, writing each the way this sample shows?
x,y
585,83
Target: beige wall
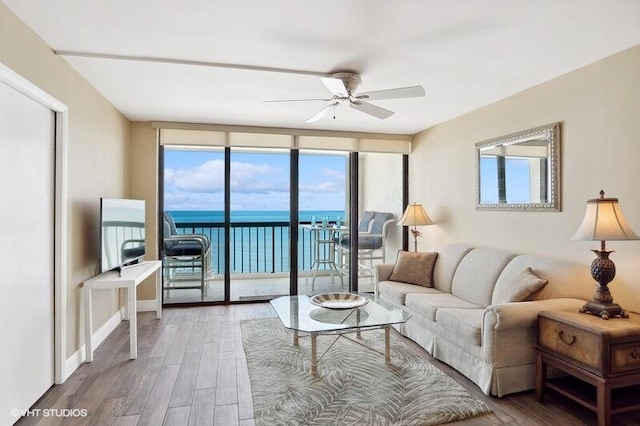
x,y
98,145
144,186
599,110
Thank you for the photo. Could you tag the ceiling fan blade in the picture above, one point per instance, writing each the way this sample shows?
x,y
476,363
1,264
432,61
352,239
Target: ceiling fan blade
x,y
335,86
371,109
401,92
298,100
320,114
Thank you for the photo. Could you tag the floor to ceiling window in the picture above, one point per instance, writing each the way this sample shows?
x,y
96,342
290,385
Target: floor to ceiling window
x,y
380,190
323,215
259,255
194,206
234,205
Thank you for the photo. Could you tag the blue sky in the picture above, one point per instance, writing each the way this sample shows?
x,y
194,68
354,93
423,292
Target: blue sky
x,y
517,170
194,180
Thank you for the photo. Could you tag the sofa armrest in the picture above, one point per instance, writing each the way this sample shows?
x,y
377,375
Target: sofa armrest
x,y
383,271
525,314
510,330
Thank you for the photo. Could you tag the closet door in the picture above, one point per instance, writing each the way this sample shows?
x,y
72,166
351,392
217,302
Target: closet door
x,y
27,165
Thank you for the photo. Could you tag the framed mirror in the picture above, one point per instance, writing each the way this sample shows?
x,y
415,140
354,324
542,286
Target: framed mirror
x,y
520,171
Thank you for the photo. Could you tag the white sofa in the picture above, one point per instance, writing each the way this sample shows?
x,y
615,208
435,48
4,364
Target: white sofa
x,y
456,321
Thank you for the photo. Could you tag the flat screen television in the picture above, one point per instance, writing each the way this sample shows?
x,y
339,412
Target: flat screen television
x,y
122,232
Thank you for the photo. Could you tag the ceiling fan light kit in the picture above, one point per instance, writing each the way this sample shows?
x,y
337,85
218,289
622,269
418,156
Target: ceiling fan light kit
x,y
343,86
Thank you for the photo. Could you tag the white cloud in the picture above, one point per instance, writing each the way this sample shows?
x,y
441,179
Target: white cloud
x,y
336,174
206,177
326,186
253,187
193,201
334,182
245,177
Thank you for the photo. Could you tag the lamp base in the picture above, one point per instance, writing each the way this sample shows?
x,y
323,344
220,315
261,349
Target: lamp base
x,y
603,271
604,310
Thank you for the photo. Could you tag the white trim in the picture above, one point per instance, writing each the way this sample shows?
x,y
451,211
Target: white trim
x,y
24,86
76,360
146,305
27,88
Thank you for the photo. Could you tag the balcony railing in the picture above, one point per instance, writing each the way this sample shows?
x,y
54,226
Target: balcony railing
x,y
256,247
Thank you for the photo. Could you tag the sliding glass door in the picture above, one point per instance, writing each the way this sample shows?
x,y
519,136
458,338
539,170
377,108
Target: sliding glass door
x,y
259,231
193,231
232,215
381,191
323,222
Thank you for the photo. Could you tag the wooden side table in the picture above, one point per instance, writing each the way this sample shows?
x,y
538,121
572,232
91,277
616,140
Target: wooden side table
x,y
603,354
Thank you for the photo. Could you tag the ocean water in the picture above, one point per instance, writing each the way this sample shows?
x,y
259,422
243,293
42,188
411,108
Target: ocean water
x,y
261,248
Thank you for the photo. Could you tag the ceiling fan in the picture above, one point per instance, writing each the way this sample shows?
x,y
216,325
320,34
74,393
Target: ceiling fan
x,y
343,85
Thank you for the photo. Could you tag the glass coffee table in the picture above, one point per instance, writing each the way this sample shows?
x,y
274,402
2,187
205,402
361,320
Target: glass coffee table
x,y
297,313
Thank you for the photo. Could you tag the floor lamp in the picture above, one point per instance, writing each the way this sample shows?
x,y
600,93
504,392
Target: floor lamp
x,y
415,216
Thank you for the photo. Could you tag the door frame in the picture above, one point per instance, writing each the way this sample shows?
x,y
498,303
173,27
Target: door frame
x,y
27,88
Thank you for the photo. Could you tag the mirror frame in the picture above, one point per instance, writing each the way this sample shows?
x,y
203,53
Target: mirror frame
x,y
552,134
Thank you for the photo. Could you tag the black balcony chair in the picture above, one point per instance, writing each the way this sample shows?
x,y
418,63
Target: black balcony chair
x,y
185,252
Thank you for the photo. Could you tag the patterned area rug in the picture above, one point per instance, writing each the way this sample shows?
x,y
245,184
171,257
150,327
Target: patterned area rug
x,y
353,386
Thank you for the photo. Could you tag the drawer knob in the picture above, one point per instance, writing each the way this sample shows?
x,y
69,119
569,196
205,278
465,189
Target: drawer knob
x,y
569,340
635,353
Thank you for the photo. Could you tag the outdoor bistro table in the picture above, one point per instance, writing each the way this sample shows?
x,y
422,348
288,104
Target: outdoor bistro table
x,y
324,238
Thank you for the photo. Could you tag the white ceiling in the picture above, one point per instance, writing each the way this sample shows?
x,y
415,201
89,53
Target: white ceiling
x,y
465,53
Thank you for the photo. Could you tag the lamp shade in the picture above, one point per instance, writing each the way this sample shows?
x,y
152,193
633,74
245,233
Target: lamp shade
x,y
603,221
414,215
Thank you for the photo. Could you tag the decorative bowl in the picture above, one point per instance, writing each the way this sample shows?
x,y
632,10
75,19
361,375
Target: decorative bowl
x,y
338,316
338,300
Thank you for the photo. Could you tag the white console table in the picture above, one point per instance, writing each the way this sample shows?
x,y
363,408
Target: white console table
x,y
128,280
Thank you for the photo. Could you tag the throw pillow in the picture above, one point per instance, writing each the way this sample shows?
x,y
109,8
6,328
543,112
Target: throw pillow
x,y
414,268
524,285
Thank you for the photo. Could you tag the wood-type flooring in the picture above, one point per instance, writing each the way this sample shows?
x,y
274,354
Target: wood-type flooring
x,y
191,370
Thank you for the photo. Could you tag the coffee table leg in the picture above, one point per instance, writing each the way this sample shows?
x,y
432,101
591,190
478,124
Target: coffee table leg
x,y
295,337
387,351
314,355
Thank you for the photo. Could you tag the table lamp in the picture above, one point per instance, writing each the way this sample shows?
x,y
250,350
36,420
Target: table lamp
x,y
603,221
415,215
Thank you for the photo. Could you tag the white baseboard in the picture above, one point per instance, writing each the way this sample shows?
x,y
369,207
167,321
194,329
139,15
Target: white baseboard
x,y
74,361
146,305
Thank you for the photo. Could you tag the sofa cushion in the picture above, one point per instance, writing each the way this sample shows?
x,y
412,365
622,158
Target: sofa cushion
x,y
523,286
414,268
477,274
465,323
428,304
566,279
449,257
396,292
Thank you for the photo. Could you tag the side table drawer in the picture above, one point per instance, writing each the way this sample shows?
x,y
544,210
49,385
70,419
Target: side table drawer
x,y
571,342
625,357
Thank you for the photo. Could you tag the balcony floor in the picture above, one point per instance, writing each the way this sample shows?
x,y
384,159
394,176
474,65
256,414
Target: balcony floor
x,y
254,288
